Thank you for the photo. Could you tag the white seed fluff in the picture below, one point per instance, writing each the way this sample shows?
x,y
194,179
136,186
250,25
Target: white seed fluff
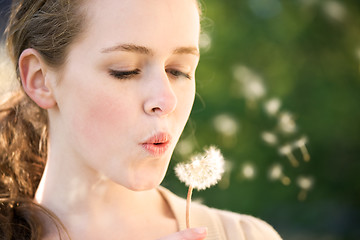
x,y
203,170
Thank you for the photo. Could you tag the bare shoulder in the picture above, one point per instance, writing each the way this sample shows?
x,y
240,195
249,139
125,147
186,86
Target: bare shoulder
x,y
249,227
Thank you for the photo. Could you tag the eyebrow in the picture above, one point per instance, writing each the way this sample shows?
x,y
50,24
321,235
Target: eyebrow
x,y
147,51
187,50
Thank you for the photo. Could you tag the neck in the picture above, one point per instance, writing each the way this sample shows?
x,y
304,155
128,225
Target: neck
x,y
84,199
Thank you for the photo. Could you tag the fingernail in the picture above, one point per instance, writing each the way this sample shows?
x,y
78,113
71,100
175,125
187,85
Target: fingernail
x,y
201,230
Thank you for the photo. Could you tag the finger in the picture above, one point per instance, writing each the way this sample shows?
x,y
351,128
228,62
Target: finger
x,y
188,234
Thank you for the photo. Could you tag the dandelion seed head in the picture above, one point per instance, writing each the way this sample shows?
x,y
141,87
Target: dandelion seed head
x,y
196,164
203,170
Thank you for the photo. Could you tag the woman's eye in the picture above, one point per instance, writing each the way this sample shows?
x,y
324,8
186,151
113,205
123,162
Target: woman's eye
x,y
124,74
177,73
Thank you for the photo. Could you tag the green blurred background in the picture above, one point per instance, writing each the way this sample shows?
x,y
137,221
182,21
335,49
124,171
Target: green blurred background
x,y
272,72
278,79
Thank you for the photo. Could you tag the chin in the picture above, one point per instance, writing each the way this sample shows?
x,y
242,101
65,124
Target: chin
x,y
147,178
143,187
144,184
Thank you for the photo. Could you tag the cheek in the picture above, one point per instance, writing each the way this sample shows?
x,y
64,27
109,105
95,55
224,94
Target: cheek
x,y
186,98
100,118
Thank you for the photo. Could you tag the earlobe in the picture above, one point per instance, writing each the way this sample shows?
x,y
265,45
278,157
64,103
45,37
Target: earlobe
x,y
34,80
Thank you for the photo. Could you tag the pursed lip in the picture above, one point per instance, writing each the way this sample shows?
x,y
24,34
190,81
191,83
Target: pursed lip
x,y
157,144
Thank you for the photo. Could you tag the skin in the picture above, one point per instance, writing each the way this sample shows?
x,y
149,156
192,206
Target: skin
x,y
130,75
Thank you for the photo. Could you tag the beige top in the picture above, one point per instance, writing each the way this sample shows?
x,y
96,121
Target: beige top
x,y
222,225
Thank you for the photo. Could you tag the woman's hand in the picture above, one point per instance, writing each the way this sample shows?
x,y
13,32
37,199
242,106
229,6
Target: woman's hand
x,y
188,234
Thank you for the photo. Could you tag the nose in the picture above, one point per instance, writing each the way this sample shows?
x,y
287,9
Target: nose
x,y
161,99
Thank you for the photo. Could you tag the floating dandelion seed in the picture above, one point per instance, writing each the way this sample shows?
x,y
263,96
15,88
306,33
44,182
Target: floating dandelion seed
x,y
224,183
226,124
269,138
287,123
272,106
275,172
205,41
203,171
335,10
301,144
248,171
243,73
184,147
254,90
252,84
357,52
305,183
287,151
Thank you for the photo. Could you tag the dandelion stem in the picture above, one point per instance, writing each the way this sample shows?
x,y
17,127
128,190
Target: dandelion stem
x,y
302,195
305,153
293,160
188,202
285,180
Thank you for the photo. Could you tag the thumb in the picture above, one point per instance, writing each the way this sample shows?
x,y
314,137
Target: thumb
x,y
188,234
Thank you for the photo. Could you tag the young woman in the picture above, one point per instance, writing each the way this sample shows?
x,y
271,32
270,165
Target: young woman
x,y
107,88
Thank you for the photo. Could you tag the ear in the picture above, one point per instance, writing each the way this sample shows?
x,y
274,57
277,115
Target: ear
x,y
34,80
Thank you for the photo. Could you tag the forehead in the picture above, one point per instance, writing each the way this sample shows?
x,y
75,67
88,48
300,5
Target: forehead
x,y
153,23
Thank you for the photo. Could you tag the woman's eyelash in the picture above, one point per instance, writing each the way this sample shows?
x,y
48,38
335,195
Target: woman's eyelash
x,y
177,73
132,73
124,74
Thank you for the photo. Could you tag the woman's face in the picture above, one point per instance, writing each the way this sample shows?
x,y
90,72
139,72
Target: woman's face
x,y
127,88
